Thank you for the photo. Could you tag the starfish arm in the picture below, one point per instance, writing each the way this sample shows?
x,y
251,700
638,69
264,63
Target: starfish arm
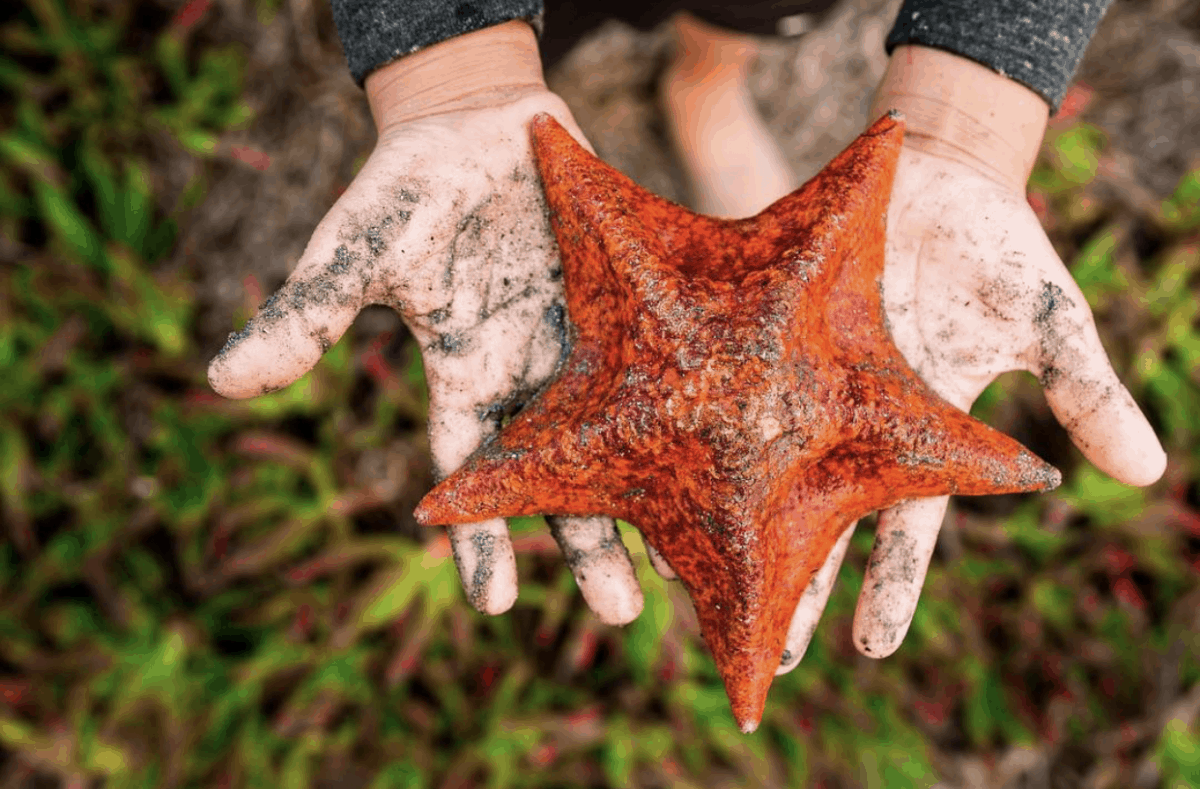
x,y
685,236
595,302
925,447
502,481
584,446
547,461
615,257
734,603
745,617
838,216
954,453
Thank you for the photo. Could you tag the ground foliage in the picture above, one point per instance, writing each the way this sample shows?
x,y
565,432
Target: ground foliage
x,y
196,592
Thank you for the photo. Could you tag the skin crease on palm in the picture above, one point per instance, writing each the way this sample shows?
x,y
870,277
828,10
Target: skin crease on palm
x,y
447,224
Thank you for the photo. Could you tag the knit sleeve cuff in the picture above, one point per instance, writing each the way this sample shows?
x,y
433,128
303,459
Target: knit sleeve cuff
x,y
1038,43
376,32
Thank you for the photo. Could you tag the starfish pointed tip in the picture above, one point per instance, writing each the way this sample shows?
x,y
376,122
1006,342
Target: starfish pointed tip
x,y
884,136
747,682
448,505
1027,472
1051,478
441,507
422,514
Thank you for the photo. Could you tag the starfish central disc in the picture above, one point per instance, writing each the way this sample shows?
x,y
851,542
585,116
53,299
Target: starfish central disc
x,y
732,391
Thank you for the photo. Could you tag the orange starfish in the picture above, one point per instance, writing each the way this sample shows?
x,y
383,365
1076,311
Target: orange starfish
x,y
732,391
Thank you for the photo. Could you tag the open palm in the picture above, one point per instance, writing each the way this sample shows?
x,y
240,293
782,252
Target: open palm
x,y
973,289
446,223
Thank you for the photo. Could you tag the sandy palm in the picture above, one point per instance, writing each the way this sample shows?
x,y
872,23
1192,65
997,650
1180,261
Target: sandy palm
x,y
973,289
446,223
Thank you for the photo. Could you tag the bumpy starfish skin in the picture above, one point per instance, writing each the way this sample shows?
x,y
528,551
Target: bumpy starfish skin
x,y
732,391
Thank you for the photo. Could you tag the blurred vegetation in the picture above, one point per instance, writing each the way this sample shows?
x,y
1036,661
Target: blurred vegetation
x,y
196,592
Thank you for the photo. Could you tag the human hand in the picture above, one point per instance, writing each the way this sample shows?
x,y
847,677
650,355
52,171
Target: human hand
x,y
972,289
446,223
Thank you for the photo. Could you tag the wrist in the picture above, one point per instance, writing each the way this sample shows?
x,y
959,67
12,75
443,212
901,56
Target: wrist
x,y
484,68
958,109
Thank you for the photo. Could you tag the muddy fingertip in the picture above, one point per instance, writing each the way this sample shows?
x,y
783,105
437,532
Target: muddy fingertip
x,y
227,376
223,381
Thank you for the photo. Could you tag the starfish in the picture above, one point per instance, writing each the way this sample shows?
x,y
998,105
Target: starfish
x,y
732,391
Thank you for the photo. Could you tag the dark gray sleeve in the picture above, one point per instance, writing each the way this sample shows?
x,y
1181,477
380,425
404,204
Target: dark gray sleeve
x,y
376,32
1038,43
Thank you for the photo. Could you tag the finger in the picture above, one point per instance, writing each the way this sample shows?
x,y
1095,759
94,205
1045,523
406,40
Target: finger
x,y
904,542
1083,390
597,557
659,563
291,330
282,342
483,553
347,254
812,605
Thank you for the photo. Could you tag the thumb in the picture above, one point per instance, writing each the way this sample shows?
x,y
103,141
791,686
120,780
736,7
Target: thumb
x,y
283,341
1087,397
313,309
